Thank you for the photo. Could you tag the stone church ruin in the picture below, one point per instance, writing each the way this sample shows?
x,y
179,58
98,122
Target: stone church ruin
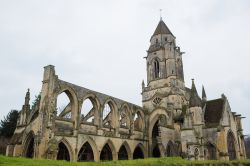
x,y
172,121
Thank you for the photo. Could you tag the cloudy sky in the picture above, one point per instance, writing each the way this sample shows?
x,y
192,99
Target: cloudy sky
x,y
101,44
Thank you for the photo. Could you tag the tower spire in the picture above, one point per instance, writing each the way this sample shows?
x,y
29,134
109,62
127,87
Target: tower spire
x,y
162,28
195,100
204,96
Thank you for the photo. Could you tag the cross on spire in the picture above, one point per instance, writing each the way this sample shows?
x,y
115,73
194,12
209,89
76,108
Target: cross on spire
x,y
160,14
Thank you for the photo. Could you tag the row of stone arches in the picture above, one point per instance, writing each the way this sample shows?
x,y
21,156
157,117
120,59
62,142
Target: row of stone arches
x,y
88,151
107,115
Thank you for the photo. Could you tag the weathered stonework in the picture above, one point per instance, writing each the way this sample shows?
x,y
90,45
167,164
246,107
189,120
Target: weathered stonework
x,y
173,119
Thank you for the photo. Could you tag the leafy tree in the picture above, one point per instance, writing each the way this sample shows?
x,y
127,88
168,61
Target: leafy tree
x,y
8,124
37,100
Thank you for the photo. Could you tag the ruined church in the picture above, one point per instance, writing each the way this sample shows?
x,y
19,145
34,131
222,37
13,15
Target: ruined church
x,y
172,121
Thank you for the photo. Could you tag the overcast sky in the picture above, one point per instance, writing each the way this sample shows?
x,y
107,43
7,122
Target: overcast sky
x,y
100,45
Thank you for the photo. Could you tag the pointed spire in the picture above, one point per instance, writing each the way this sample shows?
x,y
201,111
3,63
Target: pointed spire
x,y
195,100
27,97
162,29
204,96
143,85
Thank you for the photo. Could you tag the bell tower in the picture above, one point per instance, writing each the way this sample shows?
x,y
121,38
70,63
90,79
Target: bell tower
x,y
164,69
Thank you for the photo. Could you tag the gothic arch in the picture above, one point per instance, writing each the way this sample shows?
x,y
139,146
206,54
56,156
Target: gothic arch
x,y
29,145
155,59
62,155
113,113
106,149
124,113
73,102
128,150
156,68
155,130
141,120
231,145
86,153
94,98
93,146
153,118
139,152
96,105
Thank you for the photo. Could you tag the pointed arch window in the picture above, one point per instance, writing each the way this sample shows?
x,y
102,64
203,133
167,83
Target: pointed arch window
x,y
124,118
138,122
107,114
156,69
64,105
88,109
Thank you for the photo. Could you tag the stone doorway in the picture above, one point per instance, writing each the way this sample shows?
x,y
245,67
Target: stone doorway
x,y
30,147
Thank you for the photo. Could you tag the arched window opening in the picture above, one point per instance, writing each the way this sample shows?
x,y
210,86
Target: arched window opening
x,y
211,152
138,122
87,111
107,115
123,154
124,119
30,147
170,149
156,151
156,69
63,106
86,153
155,131
231,146
156,41
138,153
63,152
106,153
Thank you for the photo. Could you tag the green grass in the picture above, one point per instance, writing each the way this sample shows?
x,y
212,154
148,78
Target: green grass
x,y
173,161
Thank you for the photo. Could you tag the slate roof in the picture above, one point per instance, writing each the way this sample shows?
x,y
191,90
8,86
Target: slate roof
x,y
213,112
162,29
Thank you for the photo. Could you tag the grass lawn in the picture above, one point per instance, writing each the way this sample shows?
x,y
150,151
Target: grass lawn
x,y
13,161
